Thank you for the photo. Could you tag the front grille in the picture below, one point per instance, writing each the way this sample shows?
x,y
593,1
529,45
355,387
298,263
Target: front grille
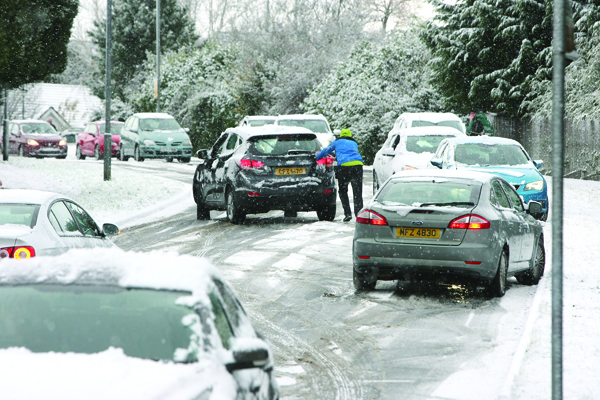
x,y
160,143
176,144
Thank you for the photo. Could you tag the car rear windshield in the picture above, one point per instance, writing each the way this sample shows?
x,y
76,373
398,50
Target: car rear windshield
x,y
33,127
19,214
115,129
159,124
315,125
490,154
283,144
424,144
261,122
434,191
89,319
451,123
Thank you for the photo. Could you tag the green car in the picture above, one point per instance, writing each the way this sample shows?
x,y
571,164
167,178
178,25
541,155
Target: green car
x,y
154,135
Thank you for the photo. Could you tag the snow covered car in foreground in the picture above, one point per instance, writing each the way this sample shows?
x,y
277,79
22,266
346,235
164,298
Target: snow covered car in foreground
x,y
36,223
106,324
450,226
500,156
411,150
255,170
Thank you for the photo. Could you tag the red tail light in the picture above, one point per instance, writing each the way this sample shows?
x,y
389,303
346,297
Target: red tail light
x,y
327,161
330,190
18,252
370,218
253,194
249,164
470,221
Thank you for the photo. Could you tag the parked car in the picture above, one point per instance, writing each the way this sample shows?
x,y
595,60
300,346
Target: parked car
x,y
451,226
257,120
154,135
90,142
412,120
255,170
316,123
411,150
504,157
70,134
107,324
34,138
36,223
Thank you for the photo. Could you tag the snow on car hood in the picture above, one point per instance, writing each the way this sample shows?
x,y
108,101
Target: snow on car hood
x,y
107,375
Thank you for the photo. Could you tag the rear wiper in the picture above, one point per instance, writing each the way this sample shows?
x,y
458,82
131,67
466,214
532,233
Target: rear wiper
x,y
453,203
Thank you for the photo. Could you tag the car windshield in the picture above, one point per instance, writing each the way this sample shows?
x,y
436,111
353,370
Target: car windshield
x,y
490,154
115,129
315,125
424,144
429,192
37,127
450,123
282,144
89,319
159,124
19,214
261,122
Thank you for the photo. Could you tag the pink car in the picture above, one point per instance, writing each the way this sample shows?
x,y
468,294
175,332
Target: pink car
x,y
90,142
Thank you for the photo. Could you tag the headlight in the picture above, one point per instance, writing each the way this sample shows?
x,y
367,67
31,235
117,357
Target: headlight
x,y
62,143
32,142
187,142
536,185
148,142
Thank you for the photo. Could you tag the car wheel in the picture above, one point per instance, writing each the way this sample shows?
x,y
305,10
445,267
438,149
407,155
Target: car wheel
x,y
234,215
122,155
21,151
497,287
136,154
184,160
169,159
290,213
362,281
375,184
537,265
97,153
202,212
61,157
326,213
78,154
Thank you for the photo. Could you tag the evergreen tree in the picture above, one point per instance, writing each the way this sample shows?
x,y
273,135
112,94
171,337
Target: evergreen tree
x,y
33,39
134,35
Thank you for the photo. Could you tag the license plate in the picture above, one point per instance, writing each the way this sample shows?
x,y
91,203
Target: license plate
x,y
169,150
418,233
290,171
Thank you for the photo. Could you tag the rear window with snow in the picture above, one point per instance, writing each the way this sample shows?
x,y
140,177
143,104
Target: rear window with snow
x,y
451,123
315,125
19,214
445,192
89,319
283,144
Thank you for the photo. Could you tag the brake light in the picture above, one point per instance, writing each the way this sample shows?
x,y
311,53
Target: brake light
x,y
249,164
473,262
370,218
327,161
17,252
253,194
330,190
470,221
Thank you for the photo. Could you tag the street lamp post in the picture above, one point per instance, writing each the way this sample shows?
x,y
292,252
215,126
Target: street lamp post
x,y
107,133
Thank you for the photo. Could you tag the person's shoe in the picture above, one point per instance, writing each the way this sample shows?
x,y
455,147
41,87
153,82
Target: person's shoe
x,y
347,218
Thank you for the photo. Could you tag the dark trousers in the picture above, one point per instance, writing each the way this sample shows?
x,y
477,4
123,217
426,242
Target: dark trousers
x,y
354,176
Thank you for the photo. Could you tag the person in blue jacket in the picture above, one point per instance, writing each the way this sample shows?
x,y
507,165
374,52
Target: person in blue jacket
x,y
349,170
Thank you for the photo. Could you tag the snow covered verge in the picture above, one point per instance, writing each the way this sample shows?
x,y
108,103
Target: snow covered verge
x,y
124,200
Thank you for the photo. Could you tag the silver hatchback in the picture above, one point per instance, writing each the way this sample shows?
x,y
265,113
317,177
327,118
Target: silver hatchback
x,y
448,226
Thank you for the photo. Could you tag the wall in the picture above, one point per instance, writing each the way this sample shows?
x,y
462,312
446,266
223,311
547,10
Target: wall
x,y
582,144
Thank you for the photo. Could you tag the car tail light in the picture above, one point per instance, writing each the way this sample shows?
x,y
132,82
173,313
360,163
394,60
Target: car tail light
x,y
18,252
330,190
253,194
327,162
249,164
370,218
364,257
473,262
470,221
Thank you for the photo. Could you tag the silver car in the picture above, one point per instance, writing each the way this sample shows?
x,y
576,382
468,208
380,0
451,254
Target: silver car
x,y
451,226
36,223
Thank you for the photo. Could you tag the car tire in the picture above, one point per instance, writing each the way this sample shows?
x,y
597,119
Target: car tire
x,y
537,265
21,152
78,154
290,213
234,214
326,213
122,155
375,184
61,157
497,287
97,153
184,160
169,159
363,282
202,212
136,154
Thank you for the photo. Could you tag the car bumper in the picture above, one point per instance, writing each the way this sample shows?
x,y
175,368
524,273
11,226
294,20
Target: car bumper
x,y
397,261
539,196
254,200
165,151
38,151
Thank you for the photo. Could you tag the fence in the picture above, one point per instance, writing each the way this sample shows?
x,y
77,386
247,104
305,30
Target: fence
x,y
582,144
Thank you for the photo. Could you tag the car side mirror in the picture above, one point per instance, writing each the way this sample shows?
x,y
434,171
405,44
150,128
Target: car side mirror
x,y
110,230
249,353
202,154
538,163
534,208
436,163
186,130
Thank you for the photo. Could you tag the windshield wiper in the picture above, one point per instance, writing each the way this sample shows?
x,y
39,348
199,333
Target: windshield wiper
x,y
453,203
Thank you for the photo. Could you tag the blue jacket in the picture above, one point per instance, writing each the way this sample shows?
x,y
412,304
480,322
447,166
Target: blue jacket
x,y
346,150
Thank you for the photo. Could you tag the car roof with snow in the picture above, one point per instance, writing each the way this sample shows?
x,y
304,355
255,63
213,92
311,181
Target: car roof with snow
x,y
104,122
444,173
28,196
247,131
253,117
302,116
430,116
432,131
153,115
482,140
27,121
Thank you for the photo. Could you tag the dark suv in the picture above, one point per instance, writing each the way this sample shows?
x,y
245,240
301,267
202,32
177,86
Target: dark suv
x,y
255,170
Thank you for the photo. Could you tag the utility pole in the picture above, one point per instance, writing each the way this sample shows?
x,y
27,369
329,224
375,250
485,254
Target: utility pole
x,y
5,125
157,88
107,134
